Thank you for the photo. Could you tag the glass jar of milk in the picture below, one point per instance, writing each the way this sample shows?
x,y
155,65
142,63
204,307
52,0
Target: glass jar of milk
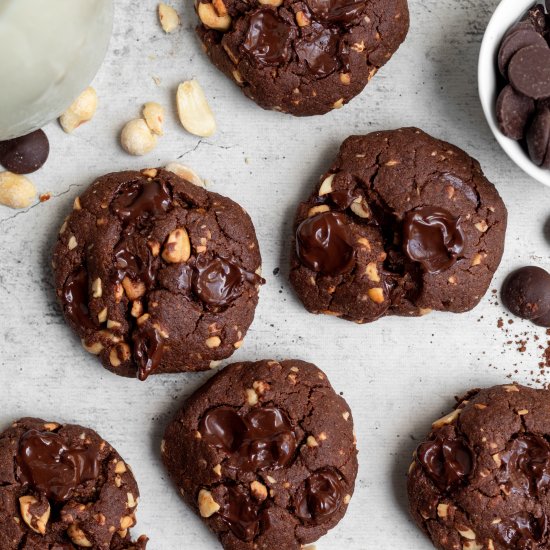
x,y
50,51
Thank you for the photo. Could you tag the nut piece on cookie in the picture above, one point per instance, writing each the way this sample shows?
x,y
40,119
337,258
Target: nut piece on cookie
x,y
480,476
199,247
259,441
362,251
65,487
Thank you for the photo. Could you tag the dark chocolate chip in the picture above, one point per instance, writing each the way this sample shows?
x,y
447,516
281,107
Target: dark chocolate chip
x,y
522,530
26,154
513,112
262,439
526,292
346,12
268,39
529,71
323,244
538,136
433,237
321,497
542,321
446,459
51,467
537,17
515,42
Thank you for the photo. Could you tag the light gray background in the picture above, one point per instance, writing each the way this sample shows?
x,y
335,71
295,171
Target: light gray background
x,y
397,374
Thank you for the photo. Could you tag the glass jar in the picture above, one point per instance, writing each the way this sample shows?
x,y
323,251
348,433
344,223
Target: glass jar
x,y
50,50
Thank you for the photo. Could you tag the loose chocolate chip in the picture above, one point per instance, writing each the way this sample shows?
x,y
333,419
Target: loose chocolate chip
x,y
432,237
538,136
25,154
529,71
513,112
542,321
515,42
526,292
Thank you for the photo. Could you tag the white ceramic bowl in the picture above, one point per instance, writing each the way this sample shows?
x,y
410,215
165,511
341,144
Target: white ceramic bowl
x,y
507,13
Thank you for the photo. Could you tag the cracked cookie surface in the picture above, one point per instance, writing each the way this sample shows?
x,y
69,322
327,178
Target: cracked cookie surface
x,y
302,57
156,274
401,224
62,487
481,479
265,453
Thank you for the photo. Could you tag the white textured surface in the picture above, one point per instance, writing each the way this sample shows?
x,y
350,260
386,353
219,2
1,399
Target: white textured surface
x,y
397,374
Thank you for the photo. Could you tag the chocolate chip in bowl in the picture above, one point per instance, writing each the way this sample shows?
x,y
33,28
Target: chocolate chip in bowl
x,y
515,95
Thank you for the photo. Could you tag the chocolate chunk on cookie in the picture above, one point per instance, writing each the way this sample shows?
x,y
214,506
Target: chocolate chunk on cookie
x,y
514,112
156,274
63,487
303,57
265,453
401,224
481,477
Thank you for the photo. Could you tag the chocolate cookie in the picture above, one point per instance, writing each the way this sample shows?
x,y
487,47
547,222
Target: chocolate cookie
x,y
303,57
481,478
401,224
265,453
156,274
62,487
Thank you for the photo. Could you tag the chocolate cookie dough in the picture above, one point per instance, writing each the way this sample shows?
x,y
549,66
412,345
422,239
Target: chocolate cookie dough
x,y
401,224
303,57
481,478
265,453
156,274
62,487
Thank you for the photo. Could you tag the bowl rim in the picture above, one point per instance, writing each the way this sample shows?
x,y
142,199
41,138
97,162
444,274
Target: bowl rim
x,y
505,15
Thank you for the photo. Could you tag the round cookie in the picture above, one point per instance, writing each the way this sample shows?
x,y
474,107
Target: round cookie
x,y
303,57
156,274
401,224
265,453
62,487
481,478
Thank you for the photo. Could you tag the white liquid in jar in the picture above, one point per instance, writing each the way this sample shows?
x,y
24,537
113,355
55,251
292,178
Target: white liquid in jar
x,y
50,51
